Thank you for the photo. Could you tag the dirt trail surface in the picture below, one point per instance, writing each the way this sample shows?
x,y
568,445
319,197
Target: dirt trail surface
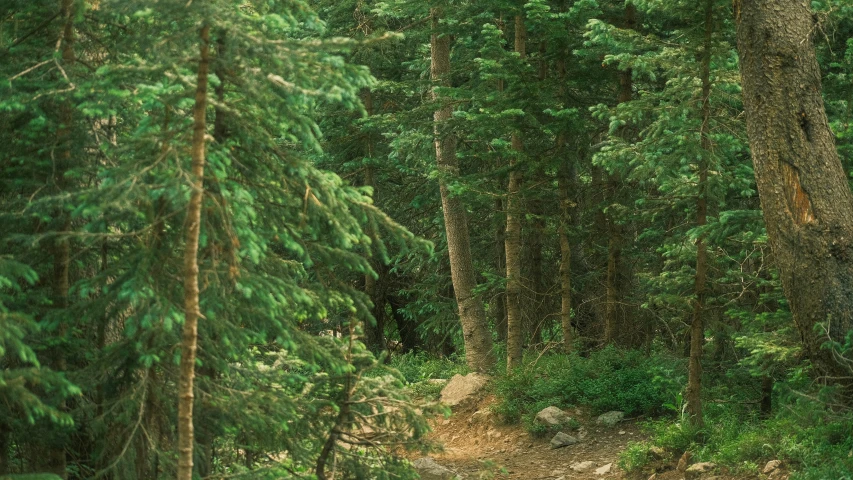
x,y
475,442
477,445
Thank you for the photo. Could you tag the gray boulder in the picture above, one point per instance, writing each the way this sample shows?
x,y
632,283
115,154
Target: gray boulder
x,y
610,419
563,440
461,389
429,469
552,417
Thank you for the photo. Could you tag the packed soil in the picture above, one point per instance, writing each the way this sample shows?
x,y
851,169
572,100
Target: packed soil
x,y
477,445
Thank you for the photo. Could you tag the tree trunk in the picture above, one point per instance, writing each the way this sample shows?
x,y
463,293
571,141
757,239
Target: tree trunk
x,y
614,230
374,334
805,197
55,461
500,266
697,328
476,335
515,326
189,337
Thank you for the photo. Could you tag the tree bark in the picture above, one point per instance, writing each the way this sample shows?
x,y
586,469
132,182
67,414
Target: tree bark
x,y
697,328
477,338
805,197
374,334
515,326
189,337
500,266
614,230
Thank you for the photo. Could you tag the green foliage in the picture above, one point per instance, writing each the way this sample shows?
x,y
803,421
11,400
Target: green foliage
x,y
610,379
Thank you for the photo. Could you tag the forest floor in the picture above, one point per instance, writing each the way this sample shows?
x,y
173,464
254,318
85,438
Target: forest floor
x,y
477,445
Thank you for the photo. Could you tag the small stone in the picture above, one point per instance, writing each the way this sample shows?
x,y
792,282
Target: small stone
x,y
429,469
621,432
563,440
657,453
582,466
771,466
654,476
604,470
610,419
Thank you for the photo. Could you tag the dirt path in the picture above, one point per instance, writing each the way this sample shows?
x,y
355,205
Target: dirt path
x,y
476,445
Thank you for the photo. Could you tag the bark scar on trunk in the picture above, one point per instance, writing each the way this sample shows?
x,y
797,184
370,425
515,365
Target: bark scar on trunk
x,y
798,201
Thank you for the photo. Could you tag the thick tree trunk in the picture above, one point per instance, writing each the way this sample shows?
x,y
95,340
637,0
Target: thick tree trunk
x,y
697,328
189,337
514,212
805,197
476,335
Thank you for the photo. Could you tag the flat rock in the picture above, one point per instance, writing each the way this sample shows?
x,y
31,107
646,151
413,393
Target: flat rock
x,y
463,388
563,440
582,466
610,419
429,469
771,466
701,467
552,417
604,470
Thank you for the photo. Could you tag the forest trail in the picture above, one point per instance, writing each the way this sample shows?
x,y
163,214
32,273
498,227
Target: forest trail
x,y
477,445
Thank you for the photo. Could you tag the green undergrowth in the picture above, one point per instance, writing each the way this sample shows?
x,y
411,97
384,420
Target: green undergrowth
x,y
419,368
610,379
814,441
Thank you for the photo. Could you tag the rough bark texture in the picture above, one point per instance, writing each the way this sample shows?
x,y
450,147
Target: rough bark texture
x,y
189,336
477,338
805,197
563,182
514,212
697,328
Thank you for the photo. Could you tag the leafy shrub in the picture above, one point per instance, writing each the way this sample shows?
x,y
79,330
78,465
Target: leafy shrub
x,y
610,379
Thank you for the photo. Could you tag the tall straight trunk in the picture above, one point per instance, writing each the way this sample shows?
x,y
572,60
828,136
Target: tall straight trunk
x,y
614,230
515,326
189,337
697,328
55,458
805,196
564,185
536,236
374,335
500,266
475,332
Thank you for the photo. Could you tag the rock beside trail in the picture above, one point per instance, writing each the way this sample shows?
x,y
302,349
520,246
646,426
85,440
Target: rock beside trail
x,y
563,440
429,469
771,467
610,419
552,417
695,470
461,389
582,466
604,470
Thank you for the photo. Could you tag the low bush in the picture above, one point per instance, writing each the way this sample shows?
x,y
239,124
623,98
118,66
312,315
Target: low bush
x,y
609,379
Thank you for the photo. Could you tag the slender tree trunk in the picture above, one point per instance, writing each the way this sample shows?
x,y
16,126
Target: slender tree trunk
x,y
564,185
536,207
55,461
697,328
500,266
476,335
189,337
5,449
805,196
614,229
514,212
373,288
